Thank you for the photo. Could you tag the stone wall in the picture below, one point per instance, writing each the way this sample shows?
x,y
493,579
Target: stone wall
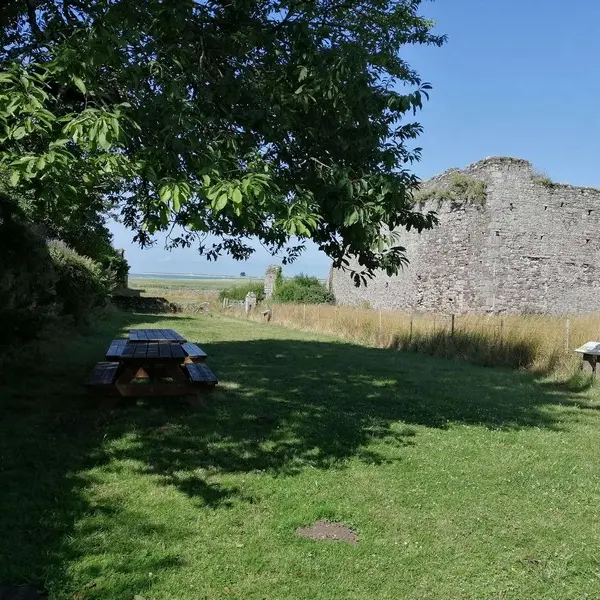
x,y
271,275
531,246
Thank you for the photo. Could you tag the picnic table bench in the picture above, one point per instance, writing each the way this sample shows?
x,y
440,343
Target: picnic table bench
x,y
152,362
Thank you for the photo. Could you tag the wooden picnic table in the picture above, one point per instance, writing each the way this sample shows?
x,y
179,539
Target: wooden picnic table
x,y
155,335
161,367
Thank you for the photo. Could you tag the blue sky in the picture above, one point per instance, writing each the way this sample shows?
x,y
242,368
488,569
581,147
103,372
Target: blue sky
x,y
516,78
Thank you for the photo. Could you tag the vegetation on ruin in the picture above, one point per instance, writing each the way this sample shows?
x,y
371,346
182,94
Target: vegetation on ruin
x,y
461,190
542,178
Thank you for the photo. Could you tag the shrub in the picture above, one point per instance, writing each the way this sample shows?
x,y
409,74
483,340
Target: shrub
x,y
81,283
303,290
27,280
116,268
238,292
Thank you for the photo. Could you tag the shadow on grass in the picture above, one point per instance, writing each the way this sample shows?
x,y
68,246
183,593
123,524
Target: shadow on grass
x,y
50,432
282,405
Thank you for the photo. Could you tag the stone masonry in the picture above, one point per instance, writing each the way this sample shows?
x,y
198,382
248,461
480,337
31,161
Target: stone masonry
x,y
532,246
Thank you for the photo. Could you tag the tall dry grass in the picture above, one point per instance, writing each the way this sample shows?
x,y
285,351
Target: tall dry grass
x,y
539,343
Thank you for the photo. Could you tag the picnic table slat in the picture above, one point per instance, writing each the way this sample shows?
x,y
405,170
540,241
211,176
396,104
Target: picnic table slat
x,y
164,351
103,374
155,335
140,350
115,349
109,373
176,351
128,351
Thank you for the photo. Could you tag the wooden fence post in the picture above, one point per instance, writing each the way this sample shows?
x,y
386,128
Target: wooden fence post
x,y
452,326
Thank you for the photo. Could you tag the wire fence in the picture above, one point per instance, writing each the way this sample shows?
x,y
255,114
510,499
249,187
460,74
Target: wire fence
x,y
542,343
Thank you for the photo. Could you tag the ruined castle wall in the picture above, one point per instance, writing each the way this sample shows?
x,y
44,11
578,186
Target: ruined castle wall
x,y
532,246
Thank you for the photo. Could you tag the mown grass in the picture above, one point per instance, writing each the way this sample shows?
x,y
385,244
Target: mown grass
x,y
462,481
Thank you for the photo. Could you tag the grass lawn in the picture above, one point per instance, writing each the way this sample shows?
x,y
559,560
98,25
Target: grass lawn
x,y
462,482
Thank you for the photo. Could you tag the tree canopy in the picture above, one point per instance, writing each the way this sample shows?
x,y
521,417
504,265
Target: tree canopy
x,y
281,120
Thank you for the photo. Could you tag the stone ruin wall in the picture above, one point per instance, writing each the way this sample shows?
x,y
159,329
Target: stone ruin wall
x,y
531,247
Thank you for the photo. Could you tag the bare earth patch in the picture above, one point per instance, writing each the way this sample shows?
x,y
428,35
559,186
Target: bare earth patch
x,y
325,530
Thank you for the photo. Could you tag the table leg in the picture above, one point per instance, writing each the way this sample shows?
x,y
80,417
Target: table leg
x,y
123,382
193,396
589,363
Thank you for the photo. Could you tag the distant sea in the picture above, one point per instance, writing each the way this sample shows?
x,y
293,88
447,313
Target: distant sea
x,y
183,276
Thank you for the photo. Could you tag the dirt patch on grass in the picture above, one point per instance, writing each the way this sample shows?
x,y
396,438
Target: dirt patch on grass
x,y
325,530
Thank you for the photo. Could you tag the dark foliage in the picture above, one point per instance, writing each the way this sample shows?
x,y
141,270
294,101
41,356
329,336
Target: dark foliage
x,y
27,279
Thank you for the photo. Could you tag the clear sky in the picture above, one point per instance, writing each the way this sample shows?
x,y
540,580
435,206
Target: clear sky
x,y
516,78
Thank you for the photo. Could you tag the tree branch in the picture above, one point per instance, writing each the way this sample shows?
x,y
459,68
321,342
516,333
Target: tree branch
x,y
32,19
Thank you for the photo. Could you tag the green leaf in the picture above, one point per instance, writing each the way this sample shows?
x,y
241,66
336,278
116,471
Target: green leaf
x,y
221,203
352,218
19,133
41,163
303,74
164,193
213,193
301,228
14,178
236,196
79,83
115,127
176,203
102,141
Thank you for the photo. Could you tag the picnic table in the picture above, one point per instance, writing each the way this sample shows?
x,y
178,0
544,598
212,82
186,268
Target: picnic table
x,y
153,362
590,355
